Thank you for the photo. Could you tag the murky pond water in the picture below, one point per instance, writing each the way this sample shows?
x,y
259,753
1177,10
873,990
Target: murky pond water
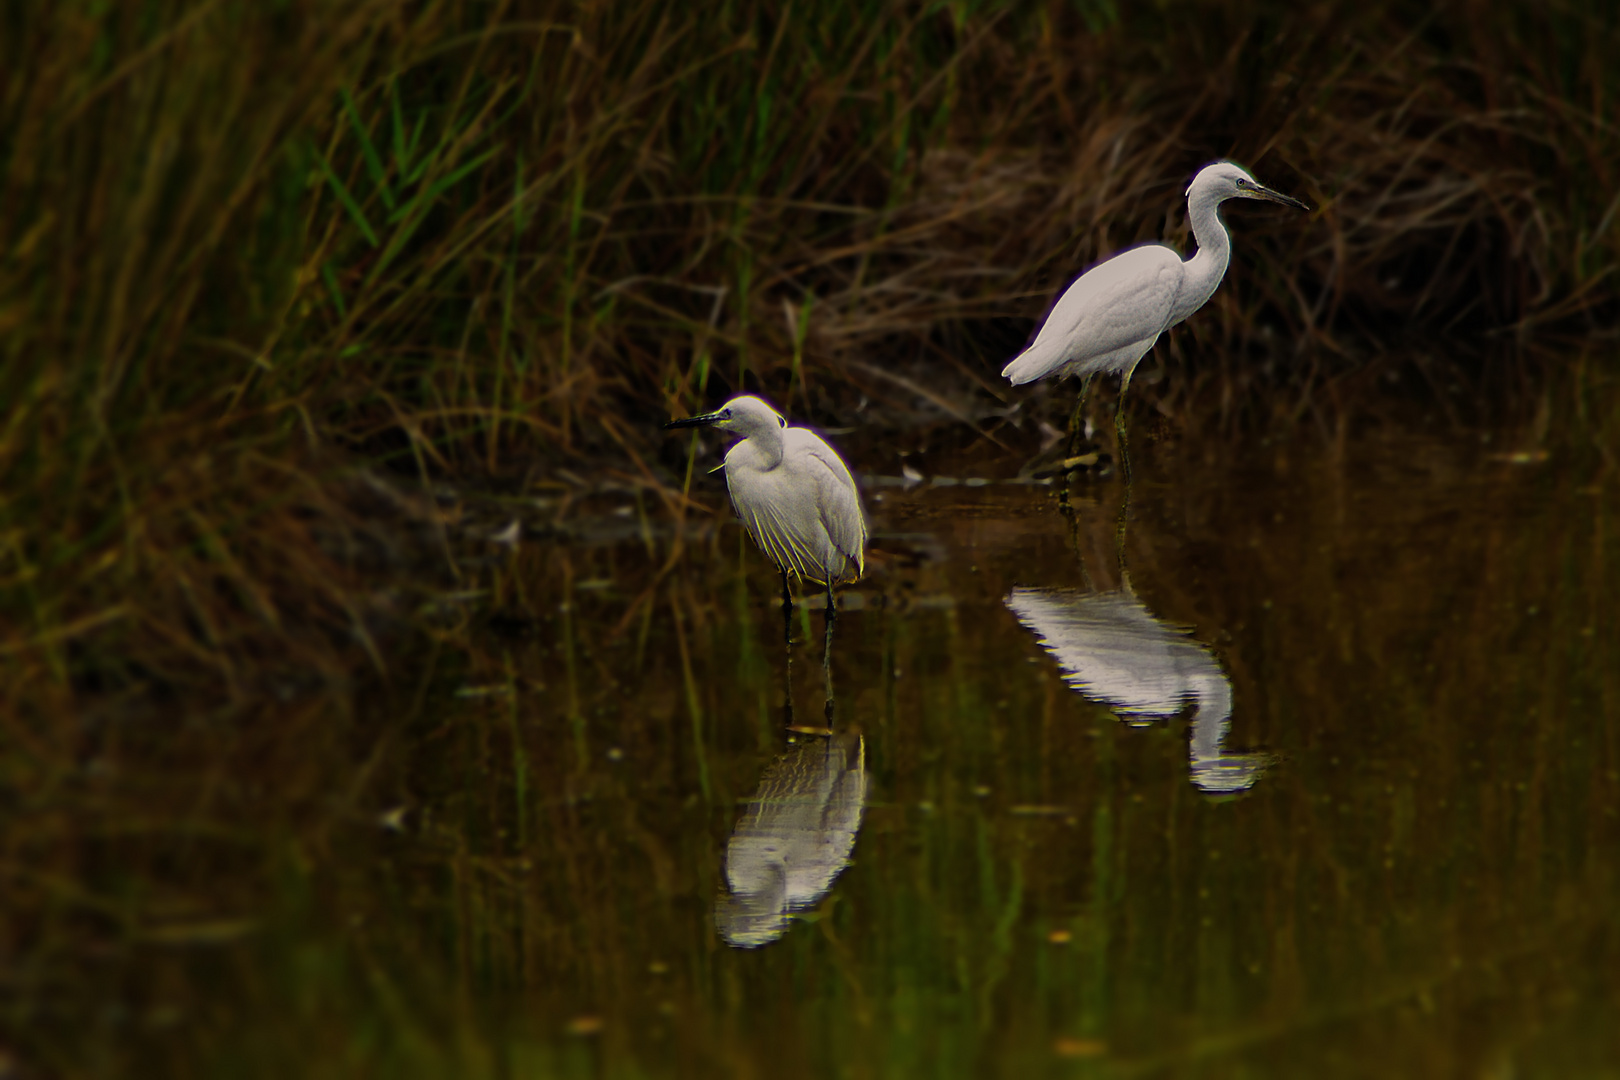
x,y
1313,766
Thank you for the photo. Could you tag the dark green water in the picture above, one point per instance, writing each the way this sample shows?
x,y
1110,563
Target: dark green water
x,y
1318,774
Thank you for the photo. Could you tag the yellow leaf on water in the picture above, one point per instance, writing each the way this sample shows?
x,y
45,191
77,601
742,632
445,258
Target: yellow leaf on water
x,y
1068,1046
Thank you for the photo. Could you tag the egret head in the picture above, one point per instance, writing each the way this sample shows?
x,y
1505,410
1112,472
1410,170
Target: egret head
x,y
743,416
1222,180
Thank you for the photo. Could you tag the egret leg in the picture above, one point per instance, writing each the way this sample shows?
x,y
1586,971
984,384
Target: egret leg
x,y
787,689
1119,426
1119,529
1077,423
787,610
826,653
832,617
1077,434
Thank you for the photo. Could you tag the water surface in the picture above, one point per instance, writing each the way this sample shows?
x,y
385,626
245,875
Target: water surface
x,y
1315,765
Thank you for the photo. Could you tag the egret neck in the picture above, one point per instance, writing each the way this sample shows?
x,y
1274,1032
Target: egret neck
x,y
1208,265
765,439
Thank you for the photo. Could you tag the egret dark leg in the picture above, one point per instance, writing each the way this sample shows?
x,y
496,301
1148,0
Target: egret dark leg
x,y
1077,423
1119,528
1077,434
826,653
787,610
832,617
1124,464
787,689
1119,427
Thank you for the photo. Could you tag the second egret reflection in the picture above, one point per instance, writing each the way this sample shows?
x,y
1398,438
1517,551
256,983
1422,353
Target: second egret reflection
x,y
1113,650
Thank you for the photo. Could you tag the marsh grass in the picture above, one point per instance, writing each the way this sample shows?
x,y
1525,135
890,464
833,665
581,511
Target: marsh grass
x,y
244,247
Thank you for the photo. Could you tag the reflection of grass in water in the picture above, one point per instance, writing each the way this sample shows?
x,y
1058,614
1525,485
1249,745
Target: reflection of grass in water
x,y
466,241
528,896
570,648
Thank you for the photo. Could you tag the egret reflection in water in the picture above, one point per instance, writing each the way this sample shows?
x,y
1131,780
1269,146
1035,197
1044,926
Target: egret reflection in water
x,y
793,838
1113,650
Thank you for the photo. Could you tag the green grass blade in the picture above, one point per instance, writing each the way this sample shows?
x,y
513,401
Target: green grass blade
x,y
341,190
368,150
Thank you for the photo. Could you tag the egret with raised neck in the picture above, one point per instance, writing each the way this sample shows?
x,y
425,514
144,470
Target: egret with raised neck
x,y
1114,312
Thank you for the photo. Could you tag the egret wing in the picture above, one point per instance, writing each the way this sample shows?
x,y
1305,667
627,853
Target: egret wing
x,y
1123,301
837,500
804,513
766,502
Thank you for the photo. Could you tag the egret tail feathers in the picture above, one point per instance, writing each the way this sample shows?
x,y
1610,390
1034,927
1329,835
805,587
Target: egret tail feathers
x,y
1039,360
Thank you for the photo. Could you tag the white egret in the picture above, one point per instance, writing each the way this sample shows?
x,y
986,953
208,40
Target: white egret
x,y
1113,313
793,493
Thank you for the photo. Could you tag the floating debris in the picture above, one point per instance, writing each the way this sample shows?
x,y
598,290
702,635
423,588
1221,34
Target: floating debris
x,y
394,819
1065,1046
490,690
1521,457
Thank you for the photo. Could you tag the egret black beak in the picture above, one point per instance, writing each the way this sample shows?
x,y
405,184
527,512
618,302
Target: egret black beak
x,y
694,421
1258,192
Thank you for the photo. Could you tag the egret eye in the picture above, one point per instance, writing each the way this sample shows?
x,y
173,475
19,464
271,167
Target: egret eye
x,y
781,421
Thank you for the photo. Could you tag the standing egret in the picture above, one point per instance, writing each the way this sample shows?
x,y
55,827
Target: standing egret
x,y
794,494
1113,313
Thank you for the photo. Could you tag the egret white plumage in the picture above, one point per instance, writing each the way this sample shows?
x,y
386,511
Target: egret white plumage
x,y
793,493
1112,314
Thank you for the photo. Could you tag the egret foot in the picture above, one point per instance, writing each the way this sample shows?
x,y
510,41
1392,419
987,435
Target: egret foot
x,y
1090,460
